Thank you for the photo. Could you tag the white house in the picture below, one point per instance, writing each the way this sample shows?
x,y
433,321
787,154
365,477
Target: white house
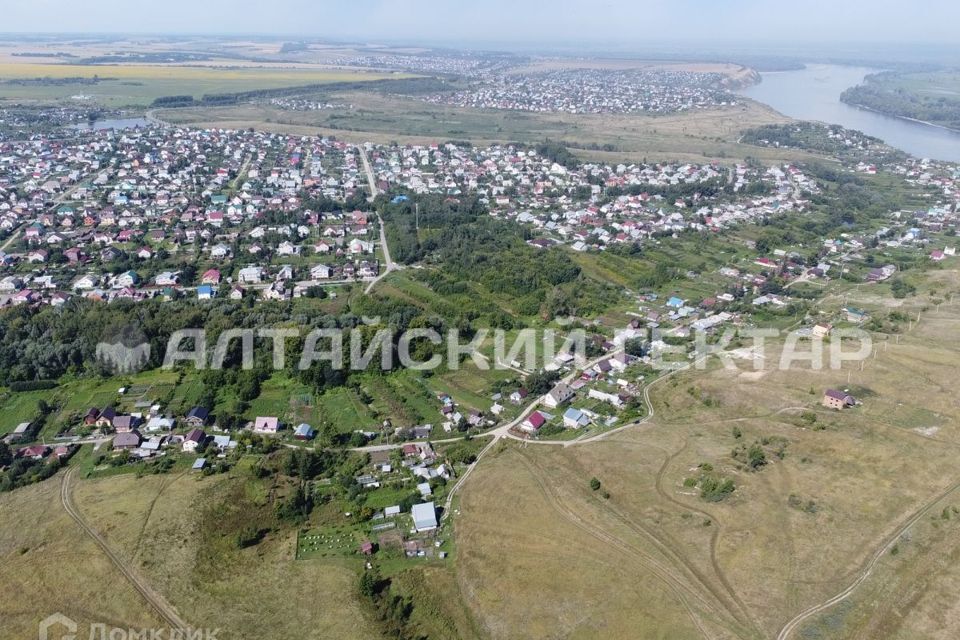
x,y
321,272
558,395
250,275
424,517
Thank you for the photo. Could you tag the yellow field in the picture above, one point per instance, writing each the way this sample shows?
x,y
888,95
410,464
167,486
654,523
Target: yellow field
x,y
272,75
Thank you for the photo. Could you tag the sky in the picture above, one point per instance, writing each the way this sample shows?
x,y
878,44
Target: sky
x,y
568,23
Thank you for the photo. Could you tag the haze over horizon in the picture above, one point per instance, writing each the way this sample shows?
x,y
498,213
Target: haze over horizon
x,y
616,24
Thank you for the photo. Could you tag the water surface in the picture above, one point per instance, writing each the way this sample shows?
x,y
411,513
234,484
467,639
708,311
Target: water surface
x,y
814,94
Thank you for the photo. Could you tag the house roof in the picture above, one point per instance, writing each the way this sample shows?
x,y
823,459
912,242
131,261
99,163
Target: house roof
x,y
838,395
303,430
201,413
424,515
130,439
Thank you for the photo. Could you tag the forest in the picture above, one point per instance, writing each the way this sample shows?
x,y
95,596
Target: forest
x,y
893,93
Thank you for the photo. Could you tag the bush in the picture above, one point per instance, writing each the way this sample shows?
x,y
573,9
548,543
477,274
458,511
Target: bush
x,y
33,385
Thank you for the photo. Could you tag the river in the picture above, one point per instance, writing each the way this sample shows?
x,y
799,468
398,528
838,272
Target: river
x,y
814,94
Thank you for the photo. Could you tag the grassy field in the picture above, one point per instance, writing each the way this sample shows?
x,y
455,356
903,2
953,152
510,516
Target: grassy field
x,y
140,85
374,117
176,531
791,535
52,566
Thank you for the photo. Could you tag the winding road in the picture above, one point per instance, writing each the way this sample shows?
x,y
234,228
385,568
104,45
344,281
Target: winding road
x,y
374,192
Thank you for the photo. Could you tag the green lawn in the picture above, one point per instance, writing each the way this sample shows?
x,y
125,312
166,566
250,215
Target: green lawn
x,y
343,409
278,395
20,407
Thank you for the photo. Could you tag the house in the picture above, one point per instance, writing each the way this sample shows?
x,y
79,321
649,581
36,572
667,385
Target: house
x,y
266,424
125,423
518,396
250,275
574,419
833,399
533,422
287,248
168,279
159,423
199,464
19,433
87,282
558,395
197,416
126,279
206,292
822,330
612,398
425,490
303,432
127,440
424,517
856,315
210,276
106,417
321,272
194,440
35,452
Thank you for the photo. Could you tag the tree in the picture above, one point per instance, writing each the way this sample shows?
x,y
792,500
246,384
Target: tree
x,y
756,457
6,456
594,484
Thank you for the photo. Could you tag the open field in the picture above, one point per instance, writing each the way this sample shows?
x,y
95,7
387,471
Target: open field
x,y
736,73
793,534
379,118
139,85
52,566
167,528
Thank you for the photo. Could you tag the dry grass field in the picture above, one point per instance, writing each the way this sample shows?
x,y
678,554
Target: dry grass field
x,y
696,136
167,527
539,548
48,565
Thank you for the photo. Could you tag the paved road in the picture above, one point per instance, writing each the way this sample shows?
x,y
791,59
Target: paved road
x,y
154,599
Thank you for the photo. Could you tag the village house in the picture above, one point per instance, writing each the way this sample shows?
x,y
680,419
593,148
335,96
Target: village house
x,y
193,440
558,395
266,424
833,399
